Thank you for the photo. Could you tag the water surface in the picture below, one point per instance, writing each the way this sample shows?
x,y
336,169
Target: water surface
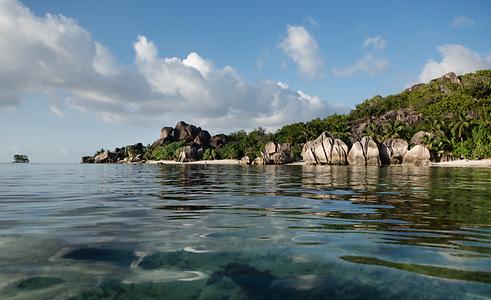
x,y
236,232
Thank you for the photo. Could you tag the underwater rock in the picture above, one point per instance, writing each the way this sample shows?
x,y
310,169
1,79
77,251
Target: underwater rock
x,y
255,284
40,282
118,257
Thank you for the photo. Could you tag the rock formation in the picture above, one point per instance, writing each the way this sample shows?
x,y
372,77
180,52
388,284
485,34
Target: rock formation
x,y
419,155
325,150
218,141
187,154
186,132
419,136
277,154
364,153
392,151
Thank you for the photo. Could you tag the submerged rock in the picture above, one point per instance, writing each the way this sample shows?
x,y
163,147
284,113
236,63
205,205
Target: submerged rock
x,y
118,257
325,150
254,283
364,153
40,282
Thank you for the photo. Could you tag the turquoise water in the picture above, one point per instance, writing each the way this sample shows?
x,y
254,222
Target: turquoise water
x,y
234,232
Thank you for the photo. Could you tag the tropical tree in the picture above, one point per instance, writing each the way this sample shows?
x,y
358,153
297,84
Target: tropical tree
x,y
461,126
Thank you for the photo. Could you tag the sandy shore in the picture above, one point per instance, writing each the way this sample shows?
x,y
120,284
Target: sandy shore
x,y
199,162
465,163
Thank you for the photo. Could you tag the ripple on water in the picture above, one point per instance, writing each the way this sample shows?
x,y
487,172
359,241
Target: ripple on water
x,y
289,232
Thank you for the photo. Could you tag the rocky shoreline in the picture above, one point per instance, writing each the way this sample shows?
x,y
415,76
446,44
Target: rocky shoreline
x,y
187,143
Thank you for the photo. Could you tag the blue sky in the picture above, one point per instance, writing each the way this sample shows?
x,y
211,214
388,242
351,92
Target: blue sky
x,y
76,76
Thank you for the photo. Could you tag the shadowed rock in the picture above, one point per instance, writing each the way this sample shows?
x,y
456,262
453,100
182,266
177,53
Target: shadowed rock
x,y
185,132
392,151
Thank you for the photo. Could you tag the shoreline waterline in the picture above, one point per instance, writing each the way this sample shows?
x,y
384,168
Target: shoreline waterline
x,y
464,163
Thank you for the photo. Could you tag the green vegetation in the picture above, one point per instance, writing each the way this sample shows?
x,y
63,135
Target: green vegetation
x,y
241,143
165,152
210,154
457,114
19,158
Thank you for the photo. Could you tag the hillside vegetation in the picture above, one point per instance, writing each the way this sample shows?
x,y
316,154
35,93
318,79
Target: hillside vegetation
x,y
455,110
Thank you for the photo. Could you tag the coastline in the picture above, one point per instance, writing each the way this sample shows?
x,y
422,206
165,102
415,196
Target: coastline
x,y
464,163
198,162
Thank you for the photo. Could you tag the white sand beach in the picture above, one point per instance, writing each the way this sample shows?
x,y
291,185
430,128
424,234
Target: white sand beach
x,y
464,163
199,162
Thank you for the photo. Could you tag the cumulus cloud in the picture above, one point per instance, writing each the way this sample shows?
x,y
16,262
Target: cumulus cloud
x,y
54,56
455,58
368,64
377,42
303,49
463,21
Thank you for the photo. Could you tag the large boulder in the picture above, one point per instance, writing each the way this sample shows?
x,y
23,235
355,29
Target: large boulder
x,y
187,154
88,160
419,155
270,148
218,141
258,161
132,151
106,157
203,138
364,153
185,132
392,151
419,136
167,133
278,154
452,77
325,150
245,160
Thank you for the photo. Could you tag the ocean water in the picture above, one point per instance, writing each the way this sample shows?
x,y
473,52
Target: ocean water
x,y
70,231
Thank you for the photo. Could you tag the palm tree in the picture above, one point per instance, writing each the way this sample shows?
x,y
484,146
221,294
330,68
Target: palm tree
x,y
373,130
393,129
461,126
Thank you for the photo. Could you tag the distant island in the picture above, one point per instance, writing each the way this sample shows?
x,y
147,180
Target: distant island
x,y
20,158
445,119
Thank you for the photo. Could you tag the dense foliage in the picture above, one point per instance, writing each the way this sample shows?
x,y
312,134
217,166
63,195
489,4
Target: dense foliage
x,y
20,158
457,114
165,152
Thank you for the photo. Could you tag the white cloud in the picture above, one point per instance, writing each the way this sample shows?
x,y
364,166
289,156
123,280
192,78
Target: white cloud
x,y
368,64
303,49
54,56
463,21
377,42
455,58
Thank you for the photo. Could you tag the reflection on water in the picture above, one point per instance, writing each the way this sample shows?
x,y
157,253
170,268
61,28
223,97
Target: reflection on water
x,y
234,232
